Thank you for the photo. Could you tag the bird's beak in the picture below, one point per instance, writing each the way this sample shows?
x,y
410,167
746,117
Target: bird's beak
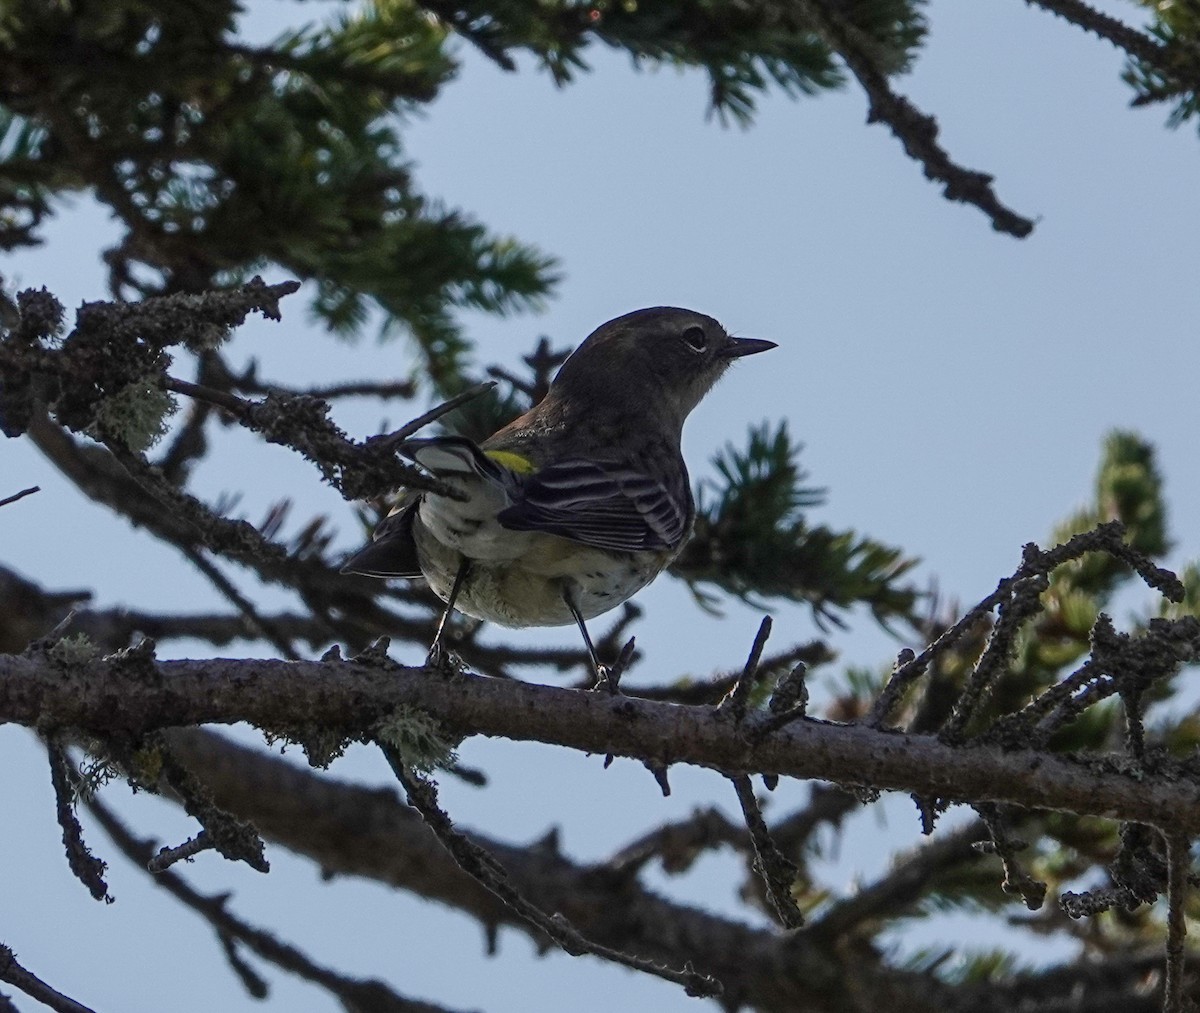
x,y
737,347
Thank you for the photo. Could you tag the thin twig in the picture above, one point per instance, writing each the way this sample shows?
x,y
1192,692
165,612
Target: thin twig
x,y
1024,604
1107,537
88,869
904,886
57,632
1002,844
350,388
1133,43
610,678
497,373
302,423
481,866
613,639
421,421
915,130
242,407
236,538
233,838
778,873
677,845
1052,707
907,672
1097,688
1178,863
684,690
264,626
236,406
739,696
33,986
166,857
20,495
353,992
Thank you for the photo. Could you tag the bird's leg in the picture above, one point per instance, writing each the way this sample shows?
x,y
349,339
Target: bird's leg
x,y
436,651
599,670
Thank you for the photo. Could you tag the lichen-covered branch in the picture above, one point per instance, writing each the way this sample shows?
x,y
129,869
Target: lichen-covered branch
x,y
105,696
364,831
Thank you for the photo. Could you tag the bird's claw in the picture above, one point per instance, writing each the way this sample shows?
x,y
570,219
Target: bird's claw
x,y
603,682
443,659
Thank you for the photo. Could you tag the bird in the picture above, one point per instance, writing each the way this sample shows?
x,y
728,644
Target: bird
x,y
576,505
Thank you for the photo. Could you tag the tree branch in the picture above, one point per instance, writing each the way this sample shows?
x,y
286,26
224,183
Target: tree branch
x,y
20,495
355,993
1129,40
12,972
369,832
108,694
915,130
483,867
777,872
893,894
86,867
1178,863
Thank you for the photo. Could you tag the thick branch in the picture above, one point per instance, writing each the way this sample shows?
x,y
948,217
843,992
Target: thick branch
x,y
105,696
369,832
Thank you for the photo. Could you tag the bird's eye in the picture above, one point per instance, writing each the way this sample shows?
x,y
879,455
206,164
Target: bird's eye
x,y
695,338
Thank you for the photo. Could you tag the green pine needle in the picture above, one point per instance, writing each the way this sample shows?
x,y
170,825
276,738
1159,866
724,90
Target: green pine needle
x,y
752,540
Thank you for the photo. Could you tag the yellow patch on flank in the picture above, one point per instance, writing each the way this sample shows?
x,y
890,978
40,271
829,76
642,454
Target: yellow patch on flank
x,y
513,462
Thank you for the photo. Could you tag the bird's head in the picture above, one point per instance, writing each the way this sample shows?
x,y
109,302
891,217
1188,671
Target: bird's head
x,y
670,355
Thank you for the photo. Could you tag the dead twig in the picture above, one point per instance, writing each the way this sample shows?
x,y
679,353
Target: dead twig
x,y
778,873
20,495
477,863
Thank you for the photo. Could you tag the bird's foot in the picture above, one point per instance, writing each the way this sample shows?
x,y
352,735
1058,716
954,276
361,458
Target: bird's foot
x,y
443,660
603,680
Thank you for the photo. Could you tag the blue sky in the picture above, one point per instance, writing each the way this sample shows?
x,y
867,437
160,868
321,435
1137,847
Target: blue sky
x,y
951,386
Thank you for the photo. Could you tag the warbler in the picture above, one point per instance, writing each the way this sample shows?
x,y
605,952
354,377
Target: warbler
x,y
579,503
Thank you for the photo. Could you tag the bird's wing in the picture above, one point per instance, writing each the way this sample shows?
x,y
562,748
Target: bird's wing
x,y
450,455
607,505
